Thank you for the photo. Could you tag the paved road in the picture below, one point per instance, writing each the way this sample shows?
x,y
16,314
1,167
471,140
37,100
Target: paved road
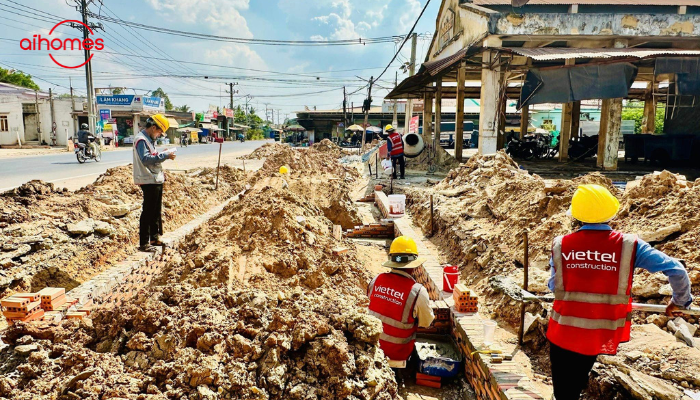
x,y
65,171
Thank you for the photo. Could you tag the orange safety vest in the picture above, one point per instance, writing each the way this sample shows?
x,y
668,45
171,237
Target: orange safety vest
x,y
593,282
396,144
392,298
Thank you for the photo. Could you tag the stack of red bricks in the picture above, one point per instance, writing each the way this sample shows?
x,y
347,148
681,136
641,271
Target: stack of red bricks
x,y
442,324
367,199
22,307
383,229
466,300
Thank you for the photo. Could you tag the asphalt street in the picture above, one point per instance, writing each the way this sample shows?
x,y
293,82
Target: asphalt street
x,y
63,169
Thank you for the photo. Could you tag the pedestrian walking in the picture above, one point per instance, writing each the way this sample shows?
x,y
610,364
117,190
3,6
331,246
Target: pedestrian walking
x,y
592,271
148,174
394,146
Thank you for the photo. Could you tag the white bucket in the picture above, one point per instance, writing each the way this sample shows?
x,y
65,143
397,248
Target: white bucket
x,y
397,204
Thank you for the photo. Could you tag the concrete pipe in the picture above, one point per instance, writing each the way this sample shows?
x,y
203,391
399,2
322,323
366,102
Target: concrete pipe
x,y
412,145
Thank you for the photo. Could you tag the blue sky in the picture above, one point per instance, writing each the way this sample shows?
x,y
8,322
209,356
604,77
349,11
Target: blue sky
x,y
334,66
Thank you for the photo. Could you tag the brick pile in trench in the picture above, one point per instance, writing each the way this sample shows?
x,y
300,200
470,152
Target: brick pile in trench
x,y
254,305
481,210
55,237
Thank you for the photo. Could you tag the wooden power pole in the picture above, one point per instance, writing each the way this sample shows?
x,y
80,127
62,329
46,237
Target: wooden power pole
x,y
366,105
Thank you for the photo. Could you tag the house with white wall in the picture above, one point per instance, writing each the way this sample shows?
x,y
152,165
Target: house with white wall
x,y
29,117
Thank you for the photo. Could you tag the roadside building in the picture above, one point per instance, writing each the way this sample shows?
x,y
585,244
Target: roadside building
x,y
33,117
565,52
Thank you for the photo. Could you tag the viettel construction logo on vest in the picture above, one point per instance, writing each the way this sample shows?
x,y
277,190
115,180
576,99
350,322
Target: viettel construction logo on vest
x,y
39,43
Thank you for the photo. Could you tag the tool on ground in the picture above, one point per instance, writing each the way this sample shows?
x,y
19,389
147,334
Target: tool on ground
x,y
526,267
654,308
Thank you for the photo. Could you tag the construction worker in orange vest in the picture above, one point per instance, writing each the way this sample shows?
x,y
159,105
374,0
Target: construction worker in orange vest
x,y
401,303
394,146
592,272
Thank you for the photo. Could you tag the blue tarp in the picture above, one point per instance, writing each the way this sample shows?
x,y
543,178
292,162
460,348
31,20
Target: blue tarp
x,y
585,82
687,69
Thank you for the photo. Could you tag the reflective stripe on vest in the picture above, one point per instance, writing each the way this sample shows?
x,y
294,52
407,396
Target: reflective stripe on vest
x,y
587,323
395,340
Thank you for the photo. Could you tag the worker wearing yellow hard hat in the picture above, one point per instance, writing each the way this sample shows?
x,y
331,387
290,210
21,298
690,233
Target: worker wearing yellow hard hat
x,y
592,271
401,303
148,174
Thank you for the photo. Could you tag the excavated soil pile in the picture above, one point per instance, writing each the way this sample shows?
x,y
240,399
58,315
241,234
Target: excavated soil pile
x,y
263,151
482,208
317,175
255,305
441,161
328,147
59,238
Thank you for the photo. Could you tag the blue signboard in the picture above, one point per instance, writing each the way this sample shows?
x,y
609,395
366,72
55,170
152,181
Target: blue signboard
x,y
116,100
151,102
105,114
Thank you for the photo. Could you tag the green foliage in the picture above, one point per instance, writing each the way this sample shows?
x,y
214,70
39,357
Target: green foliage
x,y
635,111
255,134
118,90
161,93
183,108
199,117
18,78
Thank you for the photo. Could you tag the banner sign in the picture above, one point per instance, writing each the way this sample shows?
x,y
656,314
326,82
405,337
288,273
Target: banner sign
x,y
105,114
413,126
129,102
116,100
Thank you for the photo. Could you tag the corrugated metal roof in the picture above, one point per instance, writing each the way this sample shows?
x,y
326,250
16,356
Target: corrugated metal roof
x,y
434,67
563,53
594,2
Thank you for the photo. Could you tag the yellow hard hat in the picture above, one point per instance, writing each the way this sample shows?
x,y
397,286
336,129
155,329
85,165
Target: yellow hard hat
x,y
403,254
161,121
284,170
593,204
389,128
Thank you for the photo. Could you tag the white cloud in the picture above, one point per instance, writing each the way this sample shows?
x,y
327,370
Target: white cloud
x,y
376,15
235,54
319,38
344,27
214,15
408,18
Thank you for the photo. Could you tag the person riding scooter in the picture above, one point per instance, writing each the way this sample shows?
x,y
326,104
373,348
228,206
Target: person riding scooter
x,y
84,137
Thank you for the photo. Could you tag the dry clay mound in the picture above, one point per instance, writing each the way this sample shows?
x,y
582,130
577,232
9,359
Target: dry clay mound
x,y
43,246
317,175
256,306
206,343
263,151
270,238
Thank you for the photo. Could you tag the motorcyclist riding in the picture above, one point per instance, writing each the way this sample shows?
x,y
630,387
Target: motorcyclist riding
x,y
83,137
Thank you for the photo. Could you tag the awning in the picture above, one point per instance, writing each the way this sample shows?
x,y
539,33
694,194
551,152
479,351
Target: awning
x,y
585,82
564,53
414,86
173,123
210,127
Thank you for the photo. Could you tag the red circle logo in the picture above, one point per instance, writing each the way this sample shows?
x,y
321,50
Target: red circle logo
x,y
36,43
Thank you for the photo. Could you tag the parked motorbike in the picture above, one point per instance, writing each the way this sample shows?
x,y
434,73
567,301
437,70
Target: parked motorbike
x,y
525,149
83,152
583,147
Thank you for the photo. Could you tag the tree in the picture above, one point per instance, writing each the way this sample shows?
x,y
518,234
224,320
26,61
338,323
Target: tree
x,y
635,111
183,108
161,93
118,90
18,78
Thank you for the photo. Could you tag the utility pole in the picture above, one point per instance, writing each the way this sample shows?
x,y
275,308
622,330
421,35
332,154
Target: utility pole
x,y
345,112
411,71
366,106
72,102
395,120
92,118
